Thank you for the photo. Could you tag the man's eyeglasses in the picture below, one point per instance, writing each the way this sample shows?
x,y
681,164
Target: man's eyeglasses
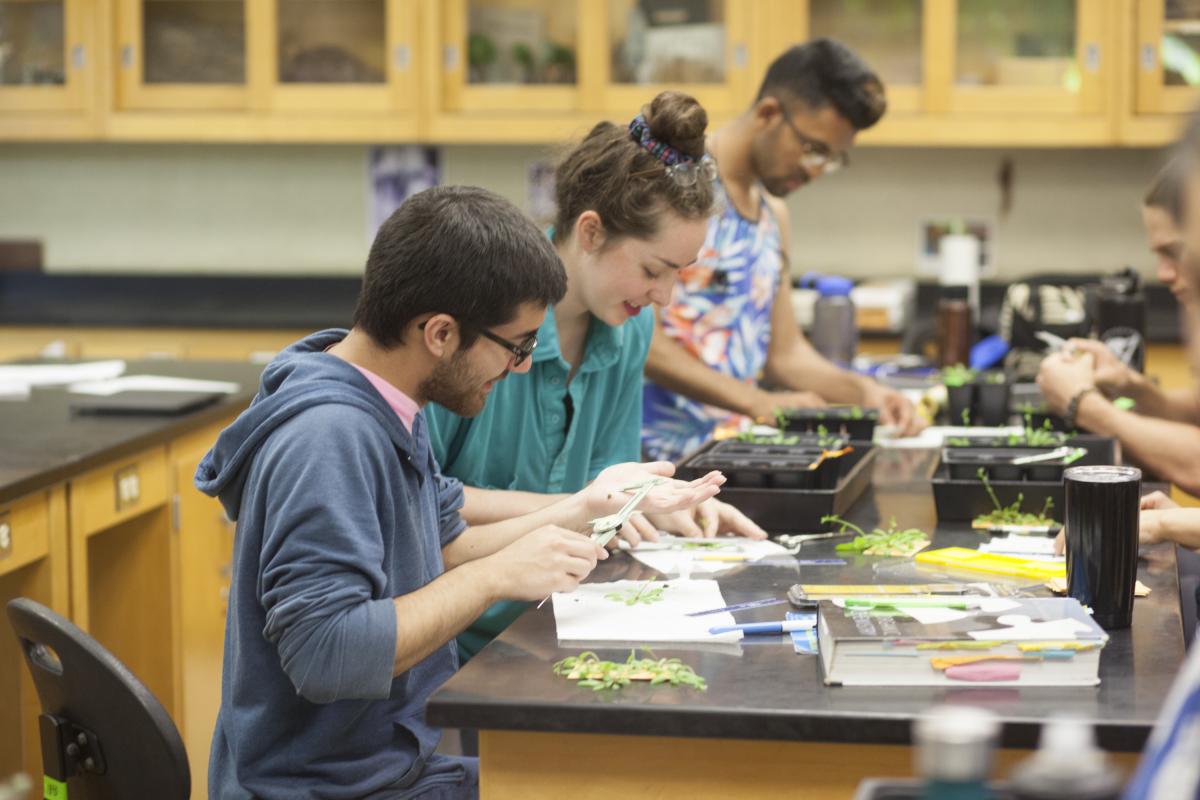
x,y
520,351
816,155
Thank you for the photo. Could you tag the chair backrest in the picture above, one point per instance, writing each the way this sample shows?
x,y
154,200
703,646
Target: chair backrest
x,y
102,731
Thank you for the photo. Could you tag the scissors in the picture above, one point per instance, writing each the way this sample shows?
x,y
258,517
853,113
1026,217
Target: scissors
x,y
606,527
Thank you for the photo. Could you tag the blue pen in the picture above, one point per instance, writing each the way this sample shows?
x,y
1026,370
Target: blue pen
x,y
782,626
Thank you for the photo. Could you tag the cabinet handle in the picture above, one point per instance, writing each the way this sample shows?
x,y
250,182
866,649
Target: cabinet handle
x,y
450,57
78,56
128,487
1149,57
6,538
401,57
127,56
1091,57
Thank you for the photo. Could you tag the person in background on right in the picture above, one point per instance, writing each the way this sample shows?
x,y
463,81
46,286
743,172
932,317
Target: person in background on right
x,y
1163,430
730,321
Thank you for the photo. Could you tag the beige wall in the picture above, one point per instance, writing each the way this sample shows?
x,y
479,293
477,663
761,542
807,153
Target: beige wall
x,y
301,209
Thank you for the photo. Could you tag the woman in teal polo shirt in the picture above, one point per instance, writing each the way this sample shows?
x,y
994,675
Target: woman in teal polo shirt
x,y
633,207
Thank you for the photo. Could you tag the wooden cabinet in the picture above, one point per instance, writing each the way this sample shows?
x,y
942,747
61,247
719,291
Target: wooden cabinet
x,y
205,547
983,72
265,70
33,563
49,65
959,72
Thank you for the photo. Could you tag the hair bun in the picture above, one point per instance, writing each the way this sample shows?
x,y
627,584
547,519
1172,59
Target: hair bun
x,y
678,120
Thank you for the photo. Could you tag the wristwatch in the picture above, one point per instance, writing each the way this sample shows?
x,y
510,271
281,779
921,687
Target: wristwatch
x,y
1073,407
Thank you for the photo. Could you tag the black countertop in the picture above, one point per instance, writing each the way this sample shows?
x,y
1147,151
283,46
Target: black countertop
x,y
187,301
764,690
42,442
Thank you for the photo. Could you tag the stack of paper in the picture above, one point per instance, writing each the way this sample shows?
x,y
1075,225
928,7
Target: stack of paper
x,y
600,612
16,380
678,555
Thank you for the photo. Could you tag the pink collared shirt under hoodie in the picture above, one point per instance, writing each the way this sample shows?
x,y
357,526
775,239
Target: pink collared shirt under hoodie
x,y
405,407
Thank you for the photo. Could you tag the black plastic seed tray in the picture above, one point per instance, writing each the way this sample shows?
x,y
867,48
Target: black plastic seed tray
x,y
985,401
997,463
858,424
803,440
963,499
786,468
774,504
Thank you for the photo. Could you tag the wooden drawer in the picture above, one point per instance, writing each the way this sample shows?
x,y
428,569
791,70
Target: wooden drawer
x,y
118,491
24,531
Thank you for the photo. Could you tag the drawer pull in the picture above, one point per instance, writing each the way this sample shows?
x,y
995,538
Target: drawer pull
x,y
6,539
128,487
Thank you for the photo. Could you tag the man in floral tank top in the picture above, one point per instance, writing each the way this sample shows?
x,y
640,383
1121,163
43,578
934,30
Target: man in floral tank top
x,y
730,323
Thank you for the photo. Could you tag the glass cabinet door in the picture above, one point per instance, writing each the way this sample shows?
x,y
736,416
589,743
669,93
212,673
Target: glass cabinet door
x,y
42,54
352,55
511,55
1042,56
886,33
1168,55
698,46
189,54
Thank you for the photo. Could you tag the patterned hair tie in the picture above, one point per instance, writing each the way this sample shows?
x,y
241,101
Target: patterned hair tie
x,y
639,131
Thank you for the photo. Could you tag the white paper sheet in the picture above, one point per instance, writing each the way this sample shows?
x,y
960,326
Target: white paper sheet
x,y
151,383
587,615
670,558
1030,631
16,379
1025,545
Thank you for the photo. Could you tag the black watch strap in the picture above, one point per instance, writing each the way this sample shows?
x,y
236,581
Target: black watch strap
x,y
1073,407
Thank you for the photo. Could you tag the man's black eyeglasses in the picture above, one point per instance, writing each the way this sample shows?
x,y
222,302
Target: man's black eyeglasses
x,y
520,351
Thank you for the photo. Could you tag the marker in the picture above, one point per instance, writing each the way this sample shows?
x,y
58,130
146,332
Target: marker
x,y
751,628
721,557
770,601
912,602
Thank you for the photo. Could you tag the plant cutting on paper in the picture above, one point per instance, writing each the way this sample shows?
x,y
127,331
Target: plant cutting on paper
x,y
881,542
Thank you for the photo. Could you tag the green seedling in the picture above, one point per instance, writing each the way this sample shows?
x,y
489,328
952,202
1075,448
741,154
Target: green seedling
x,y
966,417
957,375
1011,514
589,670
643,594
879,541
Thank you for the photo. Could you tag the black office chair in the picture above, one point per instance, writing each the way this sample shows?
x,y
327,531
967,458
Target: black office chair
x,y
103,733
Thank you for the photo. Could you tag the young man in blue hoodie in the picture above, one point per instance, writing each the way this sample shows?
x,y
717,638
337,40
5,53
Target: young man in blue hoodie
x,y
352,570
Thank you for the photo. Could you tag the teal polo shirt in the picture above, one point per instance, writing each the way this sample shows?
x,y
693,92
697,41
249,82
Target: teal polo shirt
x,y
520,440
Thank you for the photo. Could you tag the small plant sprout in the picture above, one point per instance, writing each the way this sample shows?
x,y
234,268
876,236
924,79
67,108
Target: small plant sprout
x,y
589,670
643,594
880,542
1012,515
957,375
966,417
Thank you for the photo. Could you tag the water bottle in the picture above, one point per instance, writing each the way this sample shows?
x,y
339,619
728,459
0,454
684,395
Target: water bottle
x,y
835,329
1066,766
955,747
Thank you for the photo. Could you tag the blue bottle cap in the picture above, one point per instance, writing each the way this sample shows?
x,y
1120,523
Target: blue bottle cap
x,y
988,352
833,285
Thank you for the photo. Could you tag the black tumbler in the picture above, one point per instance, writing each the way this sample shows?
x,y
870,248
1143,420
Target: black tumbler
x,y
1102,540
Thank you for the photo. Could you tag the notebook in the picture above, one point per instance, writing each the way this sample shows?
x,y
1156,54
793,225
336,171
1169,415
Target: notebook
x,y
142,403
995,641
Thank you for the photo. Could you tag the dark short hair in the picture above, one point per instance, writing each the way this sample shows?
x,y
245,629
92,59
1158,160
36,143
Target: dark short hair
x,y
825,72
457,250
1166,192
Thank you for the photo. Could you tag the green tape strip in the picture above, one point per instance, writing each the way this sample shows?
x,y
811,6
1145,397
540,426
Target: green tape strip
x,y
1125,403
52,789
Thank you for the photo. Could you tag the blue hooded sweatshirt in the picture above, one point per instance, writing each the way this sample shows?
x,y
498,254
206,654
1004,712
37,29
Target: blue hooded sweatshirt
x,y
339,509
